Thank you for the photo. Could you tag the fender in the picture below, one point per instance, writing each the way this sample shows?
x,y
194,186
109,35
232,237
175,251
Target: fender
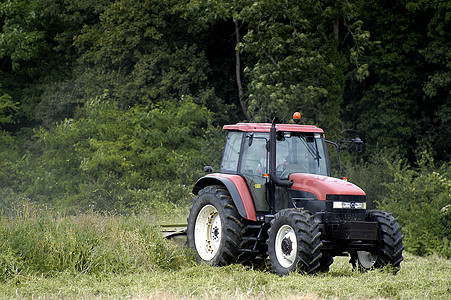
x,y
237,188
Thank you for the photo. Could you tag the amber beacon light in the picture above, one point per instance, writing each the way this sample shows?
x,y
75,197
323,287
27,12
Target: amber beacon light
x,y
297,117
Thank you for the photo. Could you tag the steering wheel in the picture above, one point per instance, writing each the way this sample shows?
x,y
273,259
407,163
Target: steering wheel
x,y
281,169
293,169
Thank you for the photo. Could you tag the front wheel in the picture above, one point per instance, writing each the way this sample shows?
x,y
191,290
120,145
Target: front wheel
x,y
214,229
390,246
294,242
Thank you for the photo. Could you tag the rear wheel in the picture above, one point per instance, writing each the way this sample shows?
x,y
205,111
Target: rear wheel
x,y
390,246
214,229
294,242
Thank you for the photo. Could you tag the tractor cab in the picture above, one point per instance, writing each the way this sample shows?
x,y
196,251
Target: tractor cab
x,y
300,149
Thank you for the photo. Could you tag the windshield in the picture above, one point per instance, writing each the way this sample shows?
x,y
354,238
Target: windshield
x,y
300,153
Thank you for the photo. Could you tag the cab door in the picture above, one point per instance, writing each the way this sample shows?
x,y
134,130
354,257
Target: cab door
x,y
254,165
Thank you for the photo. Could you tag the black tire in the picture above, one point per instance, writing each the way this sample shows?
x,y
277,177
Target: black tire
x,y
389,248
214,229
325,262
294,242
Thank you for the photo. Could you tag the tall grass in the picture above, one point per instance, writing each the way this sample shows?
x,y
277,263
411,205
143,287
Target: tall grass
x,y
38,240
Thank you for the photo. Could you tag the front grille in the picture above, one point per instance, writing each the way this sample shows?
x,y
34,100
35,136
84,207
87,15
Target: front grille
x,y
345,215
348,198
336,215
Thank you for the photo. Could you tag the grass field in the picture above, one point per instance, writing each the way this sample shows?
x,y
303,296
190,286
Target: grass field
x,y
419,278
44,255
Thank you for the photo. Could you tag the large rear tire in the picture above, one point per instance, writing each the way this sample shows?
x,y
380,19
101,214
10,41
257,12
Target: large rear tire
x,y
294,242
214,229
390,246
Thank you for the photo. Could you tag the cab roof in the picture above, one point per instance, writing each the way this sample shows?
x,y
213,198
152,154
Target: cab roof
x,y
265,127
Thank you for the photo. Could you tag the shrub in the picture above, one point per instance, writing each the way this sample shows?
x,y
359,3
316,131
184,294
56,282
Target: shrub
x,y
421,199
107,156
371,176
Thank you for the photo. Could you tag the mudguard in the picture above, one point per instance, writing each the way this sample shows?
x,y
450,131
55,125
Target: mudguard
x,y
237,188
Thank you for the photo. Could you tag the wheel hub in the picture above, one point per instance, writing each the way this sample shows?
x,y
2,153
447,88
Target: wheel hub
x,y
287,246
215,233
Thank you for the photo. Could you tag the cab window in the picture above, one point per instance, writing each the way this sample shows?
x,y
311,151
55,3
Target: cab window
x,y
231,152
300,153
255,155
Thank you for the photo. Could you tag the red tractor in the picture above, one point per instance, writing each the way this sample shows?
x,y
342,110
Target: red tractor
x,y
274,197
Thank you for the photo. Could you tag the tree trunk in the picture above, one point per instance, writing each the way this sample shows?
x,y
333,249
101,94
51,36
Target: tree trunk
x,y
238,71
337,27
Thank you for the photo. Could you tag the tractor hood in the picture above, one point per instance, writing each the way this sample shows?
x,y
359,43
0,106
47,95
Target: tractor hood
x,y
323,185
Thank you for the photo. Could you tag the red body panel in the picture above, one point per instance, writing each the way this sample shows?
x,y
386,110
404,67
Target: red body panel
x,y
243,190
265,127
323,185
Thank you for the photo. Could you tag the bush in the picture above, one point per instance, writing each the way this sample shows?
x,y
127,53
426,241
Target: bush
x,y
371,176
421,199
108,156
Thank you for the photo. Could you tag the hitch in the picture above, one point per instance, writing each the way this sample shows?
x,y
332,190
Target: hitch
x,y
170,231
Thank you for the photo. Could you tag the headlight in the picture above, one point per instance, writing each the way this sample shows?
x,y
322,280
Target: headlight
x,y
349,205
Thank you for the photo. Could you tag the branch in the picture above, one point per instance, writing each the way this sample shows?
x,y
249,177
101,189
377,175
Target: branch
x,y
271,58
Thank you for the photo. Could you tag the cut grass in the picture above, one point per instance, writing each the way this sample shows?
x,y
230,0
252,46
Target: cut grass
x,y
419,278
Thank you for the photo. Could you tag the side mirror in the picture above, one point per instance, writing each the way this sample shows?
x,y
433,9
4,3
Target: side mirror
x,y
358,144
208,169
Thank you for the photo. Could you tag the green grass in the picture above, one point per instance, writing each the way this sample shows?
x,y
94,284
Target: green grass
x,y
36,240
419,278
96,256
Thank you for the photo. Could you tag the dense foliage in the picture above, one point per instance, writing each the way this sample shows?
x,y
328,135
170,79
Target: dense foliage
x,y
419,196
117,104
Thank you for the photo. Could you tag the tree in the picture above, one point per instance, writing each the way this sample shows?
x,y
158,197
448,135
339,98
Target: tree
x,y
143,53
22,43
298,54
404,102
437,87
292,55
35,50
7,110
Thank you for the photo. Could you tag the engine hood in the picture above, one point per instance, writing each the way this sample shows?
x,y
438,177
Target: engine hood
x,y
323,185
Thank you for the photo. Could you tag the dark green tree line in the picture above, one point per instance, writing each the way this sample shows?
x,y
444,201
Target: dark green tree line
x,y
379,69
